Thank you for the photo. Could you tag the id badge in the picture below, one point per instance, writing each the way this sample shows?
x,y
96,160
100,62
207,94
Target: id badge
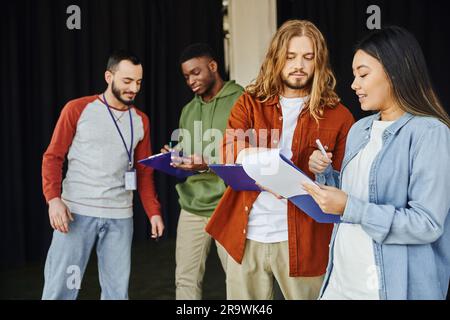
x,y
130,180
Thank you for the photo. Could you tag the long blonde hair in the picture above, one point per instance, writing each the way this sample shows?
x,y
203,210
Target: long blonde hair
x,y
269,83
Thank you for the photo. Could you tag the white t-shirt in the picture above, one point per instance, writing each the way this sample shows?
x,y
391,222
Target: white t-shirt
x,y
354,275
267,221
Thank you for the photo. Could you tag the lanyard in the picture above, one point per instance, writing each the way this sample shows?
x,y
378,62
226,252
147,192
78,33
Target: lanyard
x,y
129,152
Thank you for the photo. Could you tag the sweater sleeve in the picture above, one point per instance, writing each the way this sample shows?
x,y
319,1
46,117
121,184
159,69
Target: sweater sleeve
x,y
145,183
54,156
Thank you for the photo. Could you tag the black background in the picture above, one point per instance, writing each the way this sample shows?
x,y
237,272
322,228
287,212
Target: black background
x,y
343,23
44,65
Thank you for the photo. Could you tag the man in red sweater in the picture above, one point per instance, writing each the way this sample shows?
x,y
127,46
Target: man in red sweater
x,y
103,136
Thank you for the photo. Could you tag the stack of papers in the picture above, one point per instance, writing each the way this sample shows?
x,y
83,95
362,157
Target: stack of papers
x,y
273,170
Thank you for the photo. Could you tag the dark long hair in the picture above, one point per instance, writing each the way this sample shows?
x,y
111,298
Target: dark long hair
x,y
404,63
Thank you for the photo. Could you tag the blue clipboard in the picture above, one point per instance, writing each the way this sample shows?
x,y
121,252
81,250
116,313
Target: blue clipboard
x,y
307,204
234,176
161,162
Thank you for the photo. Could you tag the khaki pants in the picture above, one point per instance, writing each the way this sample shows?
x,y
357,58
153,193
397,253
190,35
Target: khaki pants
x,y
192,249
262,264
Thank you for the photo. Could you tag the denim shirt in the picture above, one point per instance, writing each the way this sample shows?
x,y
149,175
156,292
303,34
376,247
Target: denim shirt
x,y
409,201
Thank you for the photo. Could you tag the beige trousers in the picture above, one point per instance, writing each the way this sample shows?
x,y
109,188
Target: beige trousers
x,y
262,264
192,249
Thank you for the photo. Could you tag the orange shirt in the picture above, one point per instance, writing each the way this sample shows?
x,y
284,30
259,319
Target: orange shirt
x,y
308,240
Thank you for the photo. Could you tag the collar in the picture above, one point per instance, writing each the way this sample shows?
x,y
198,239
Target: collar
x,y
100,98
273,101
393,128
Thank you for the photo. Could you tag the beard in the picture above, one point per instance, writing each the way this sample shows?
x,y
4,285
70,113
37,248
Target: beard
x,y
208,89
116,92
297,84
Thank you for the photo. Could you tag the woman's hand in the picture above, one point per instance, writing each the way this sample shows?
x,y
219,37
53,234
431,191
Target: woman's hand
x,y
330,200
318,163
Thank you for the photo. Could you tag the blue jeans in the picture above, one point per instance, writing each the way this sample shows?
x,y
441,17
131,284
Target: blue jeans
x,y
69,254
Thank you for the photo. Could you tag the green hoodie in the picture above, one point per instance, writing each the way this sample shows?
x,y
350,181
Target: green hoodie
x,y
201,193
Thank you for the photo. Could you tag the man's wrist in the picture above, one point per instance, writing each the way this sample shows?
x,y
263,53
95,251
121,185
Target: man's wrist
x,y
204,170
53,200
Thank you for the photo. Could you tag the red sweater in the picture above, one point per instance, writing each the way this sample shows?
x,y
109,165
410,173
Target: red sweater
x,y
97,160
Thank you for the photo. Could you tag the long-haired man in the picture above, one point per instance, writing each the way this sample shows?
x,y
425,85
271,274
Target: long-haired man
x,y
290,105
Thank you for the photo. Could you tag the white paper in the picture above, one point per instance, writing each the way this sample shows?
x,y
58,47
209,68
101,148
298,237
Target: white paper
x,y
269,170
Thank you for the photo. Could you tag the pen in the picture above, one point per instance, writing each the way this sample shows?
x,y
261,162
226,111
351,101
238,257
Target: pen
x,y
321,148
